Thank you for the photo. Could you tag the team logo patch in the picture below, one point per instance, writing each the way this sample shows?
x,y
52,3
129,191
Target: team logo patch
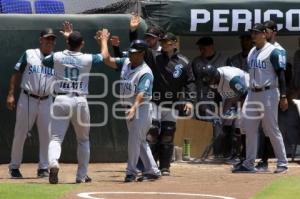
x,y
178,71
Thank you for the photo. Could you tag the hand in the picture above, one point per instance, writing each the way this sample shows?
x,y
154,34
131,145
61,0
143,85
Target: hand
x,y
134,22
283,104
102,35
10,102
131,113
188,107
115,41
67,29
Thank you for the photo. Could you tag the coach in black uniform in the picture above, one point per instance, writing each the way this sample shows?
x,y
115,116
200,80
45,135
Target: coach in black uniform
x,y
174,83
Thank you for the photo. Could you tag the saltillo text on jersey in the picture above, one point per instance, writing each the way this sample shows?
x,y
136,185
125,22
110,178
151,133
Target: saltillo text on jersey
x,y
269,59
36,77
40,69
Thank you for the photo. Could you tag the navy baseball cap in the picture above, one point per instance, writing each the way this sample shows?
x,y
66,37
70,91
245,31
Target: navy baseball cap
x,y
138,46
47,32
168,37
271,25
258,27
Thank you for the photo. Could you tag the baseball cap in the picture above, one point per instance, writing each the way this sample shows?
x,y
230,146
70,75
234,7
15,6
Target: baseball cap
x,y
47,32
205,41
258,27
271,25
168,36
153,32
75,38
137,46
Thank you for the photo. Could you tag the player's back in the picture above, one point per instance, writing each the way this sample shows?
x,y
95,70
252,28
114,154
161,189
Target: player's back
x,y
72,70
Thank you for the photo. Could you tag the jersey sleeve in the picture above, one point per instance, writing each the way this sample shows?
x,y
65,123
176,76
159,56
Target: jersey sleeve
x,y
238,86
97,59
278,59
49,61
145,84
120,62
22,63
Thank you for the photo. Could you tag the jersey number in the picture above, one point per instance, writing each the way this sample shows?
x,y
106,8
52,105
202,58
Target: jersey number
x,y
72,73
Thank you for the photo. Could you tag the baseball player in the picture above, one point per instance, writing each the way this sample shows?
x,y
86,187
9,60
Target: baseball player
x,y
71,68
271,32
34,102
232,84
136,93
267,90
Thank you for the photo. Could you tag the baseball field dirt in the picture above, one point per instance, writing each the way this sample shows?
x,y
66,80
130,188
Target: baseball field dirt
x,y
187,180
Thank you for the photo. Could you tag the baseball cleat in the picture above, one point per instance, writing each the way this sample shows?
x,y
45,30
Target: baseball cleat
x,y
15,174
53,176
129,178
42,173
148,178
243,169
262,166
86,179
165,172
281,169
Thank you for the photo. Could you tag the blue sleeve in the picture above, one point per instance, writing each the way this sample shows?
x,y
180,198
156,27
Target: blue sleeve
x,y
22,63
145,84
278,59
238,86
49,61
120,62
97,59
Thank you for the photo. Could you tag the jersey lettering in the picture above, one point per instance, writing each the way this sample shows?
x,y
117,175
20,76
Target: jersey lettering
x,y
40,69
256,63
71,61
71,85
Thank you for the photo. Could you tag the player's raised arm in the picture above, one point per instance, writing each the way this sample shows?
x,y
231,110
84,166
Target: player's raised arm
x,y
135,21
67,29
102,37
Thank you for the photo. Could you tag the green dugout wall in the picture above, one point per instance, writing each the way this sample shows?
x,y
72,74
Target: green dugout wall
x,y
21,32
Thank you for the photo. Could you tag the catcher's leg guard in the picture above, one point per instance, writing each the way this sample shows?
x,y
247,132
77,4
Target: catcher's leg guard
x,y
152,138
166,144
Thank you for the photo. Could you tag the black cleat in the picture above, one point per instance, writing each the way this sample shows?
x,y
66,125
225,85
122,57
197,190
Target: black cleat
x,y
42,173
165,172
15,174
148,178
129,178
243,169
86,179
53,176
262,166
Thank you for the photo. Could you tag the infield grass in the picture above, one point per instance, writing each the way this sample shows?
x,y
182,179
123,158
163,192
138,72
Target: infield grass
x,y
34,191
283,188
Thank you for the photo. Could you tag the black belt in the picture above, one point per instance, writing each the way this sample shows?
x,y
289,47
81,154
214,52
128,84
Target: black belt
x,y
72,94
260,89
35,96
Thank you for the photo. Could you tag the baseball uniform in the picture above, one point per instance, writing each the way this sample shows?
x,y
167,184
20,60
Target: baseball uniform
x,y
134,81
263,64
33,106
71,87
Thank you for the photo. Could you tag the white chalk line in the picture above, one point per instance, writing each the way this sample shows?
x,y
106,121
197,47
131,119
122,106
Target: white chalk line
x,y
87,195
